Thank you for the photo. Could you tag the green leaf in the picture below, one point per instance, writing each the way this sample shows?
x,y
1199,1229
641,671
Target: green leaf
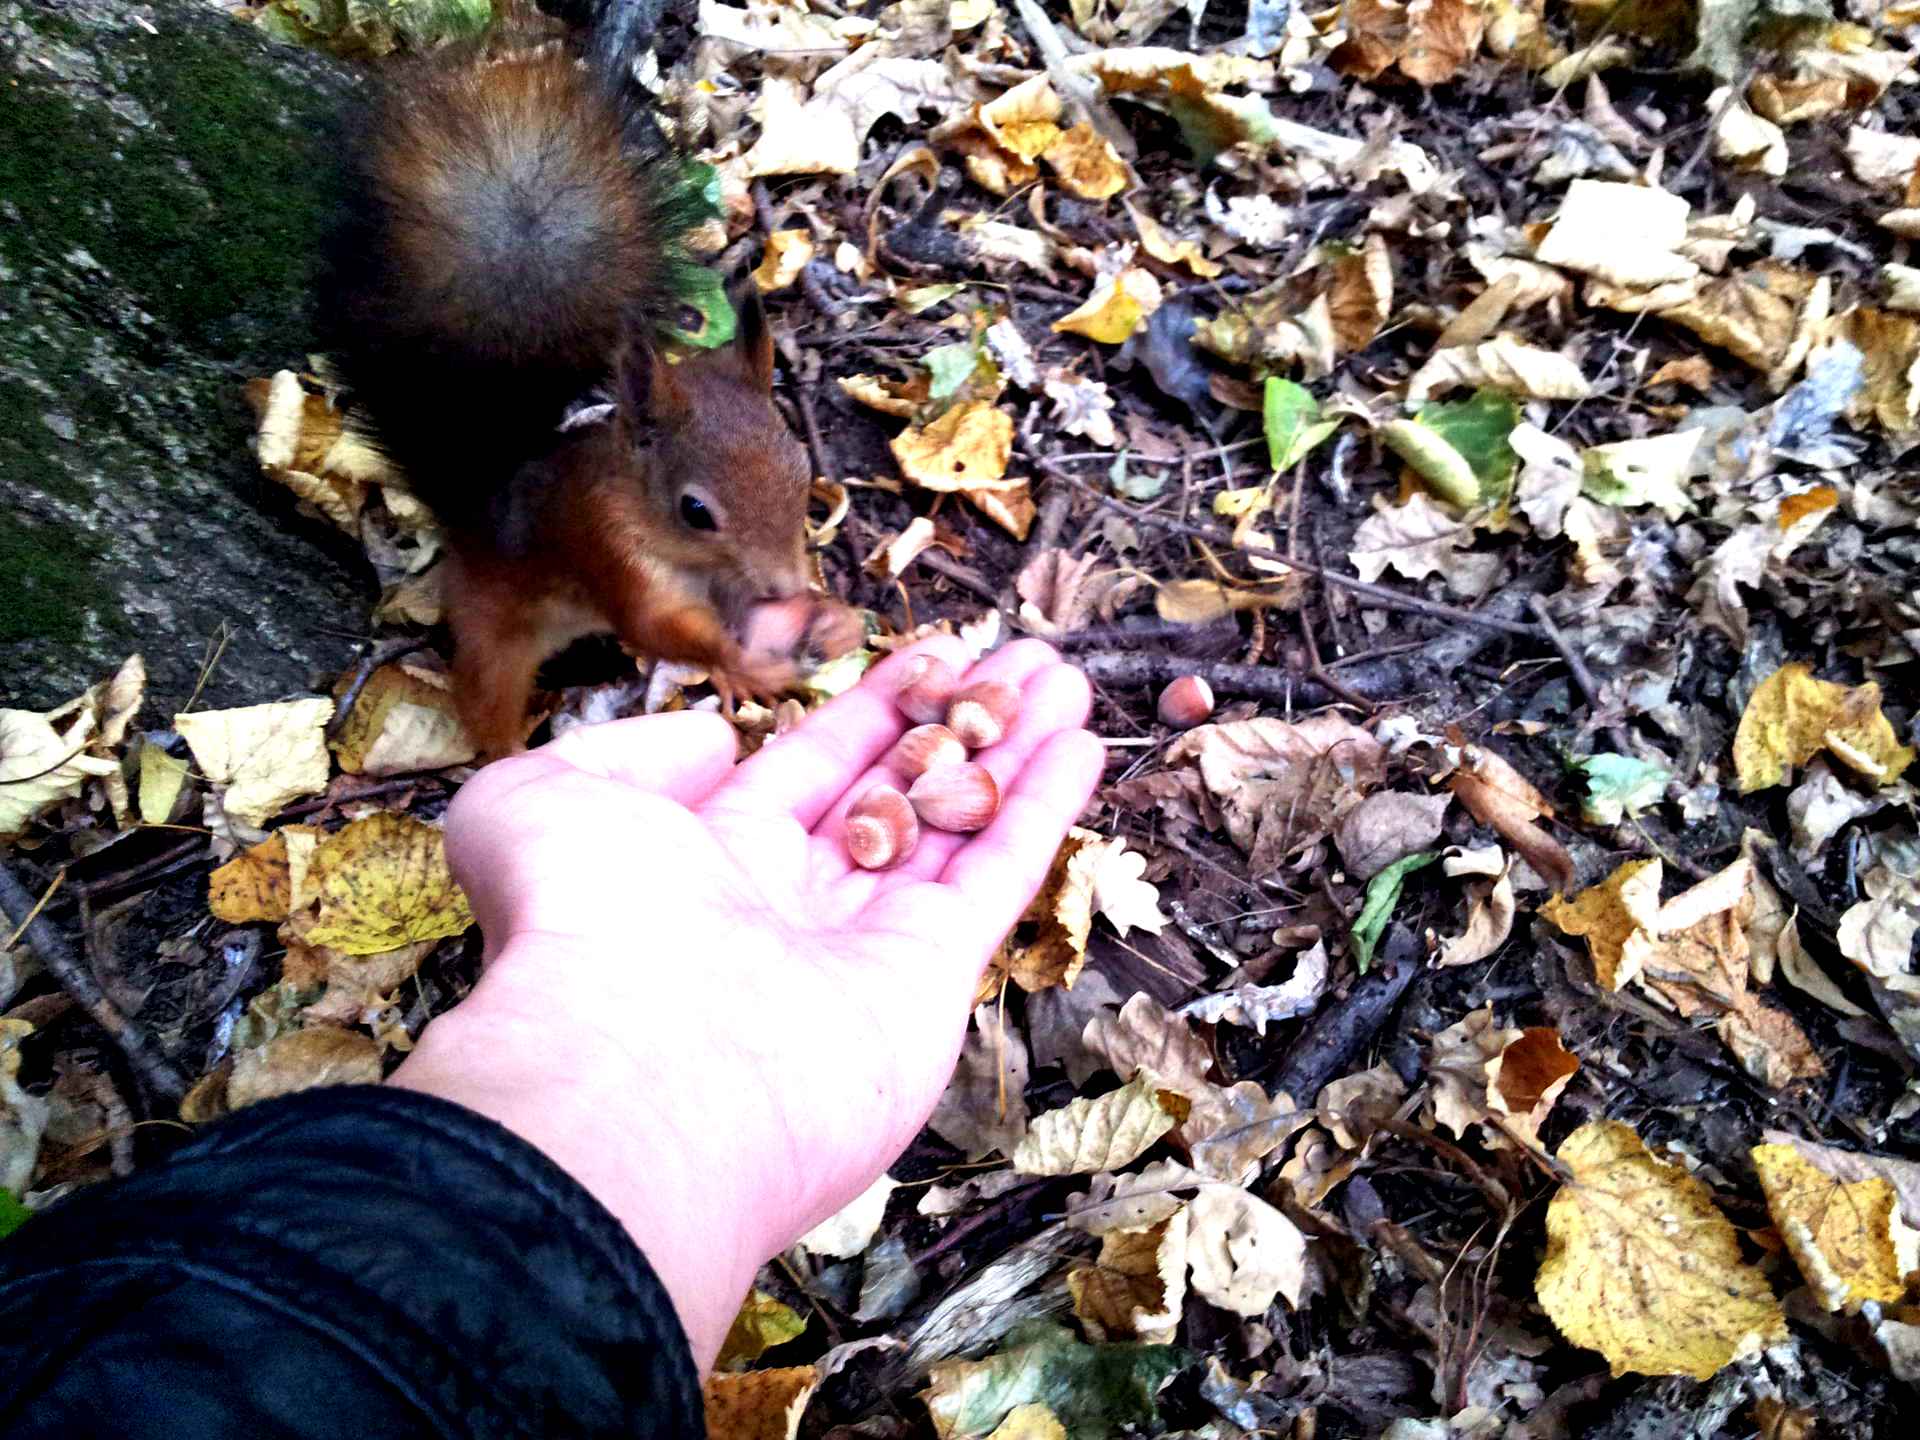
x,y
951,366
12,1214
1293,422
762,1323
1094,1390
706,296
1618,786
1383,893
1134,487
1477,430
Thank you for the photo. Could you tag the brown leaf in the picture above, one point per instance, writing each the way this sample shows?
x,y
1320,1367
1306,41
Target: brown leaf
x,y
1135,1290
303,1060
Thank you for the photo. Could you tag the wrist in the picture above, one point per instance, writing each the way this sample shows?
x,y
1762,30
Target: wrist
x,y
585,1091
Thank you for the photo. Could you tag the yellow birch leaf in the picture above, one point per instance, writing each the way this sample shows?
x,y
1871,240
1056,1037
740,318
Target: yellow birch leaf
x,y
1846,1237
402,720
965,449
161,779
1642,1266
1010,506
1792,716
1116,307
254,885
788,252
759,1404
383,882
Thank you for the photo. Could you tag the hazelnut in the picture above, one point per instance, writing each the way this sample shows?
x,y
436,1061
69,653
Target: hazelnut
x,y
960,798
983,713
924,748
1186,702
881,829
926,687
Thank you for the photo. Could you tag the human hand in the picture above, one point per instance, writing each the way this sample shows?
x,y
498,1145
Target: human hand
x,y
695,1003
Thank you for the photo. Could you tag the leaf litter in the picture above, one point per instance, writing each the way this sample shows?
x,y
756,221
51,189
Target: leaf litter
x,y
1495,402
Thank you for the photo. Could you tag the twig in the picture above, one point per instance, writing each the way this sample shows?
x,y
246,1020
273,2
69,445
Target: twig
x,y
143,1052
1076,89
384,653
1576,666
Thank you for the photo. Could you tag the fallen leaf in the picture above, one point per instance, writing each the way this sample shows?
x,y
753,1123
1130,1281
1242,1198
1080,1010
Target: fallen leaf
x,y
1103,1133
1244,1253
1416,539
1032,1421
984,1107
1504,363
1230,1129
162,778
1498,795
1626,235
23,1116
1847,1237
1093,1390
1086,163
1791,716
1490,911
303,1059
788,252
1258,1006
1383,893
763,1322
1877,933
1136,1288
1526,1077
1145,1035
1163,247
41,766
758,1404
1388,826
1352,1106
381,883
1115,309
1642,1267
966,448
848,1232
1131,1202
403,720
260,756
1458,1062
254,885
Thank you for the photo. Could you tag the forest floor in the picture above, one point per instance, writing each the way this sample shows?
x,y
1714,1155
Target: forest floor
x,y
1488,1002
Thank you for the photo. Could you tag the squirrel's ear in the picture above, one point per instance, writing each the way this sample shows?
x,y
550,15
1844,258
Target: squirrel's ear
x,y
647,387
754,337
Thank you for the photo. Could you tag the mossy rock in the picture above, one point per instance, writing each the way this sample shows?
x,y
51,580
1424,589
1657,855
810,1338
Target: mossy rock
x,y
164,175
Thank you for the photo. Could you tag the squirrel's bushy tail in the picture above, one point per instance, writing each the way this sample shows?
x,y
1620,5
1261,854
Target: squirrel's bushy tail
x,y
510,229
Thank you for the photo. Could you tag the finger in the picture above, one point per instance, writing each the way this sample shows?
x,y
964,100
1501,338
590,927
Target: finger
x,y
998,872
806,770
1052,697
681,756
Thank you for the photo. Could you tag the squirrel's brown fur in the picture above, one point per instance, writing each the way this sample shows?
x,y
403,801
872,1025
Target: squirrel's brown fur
x,y
509,254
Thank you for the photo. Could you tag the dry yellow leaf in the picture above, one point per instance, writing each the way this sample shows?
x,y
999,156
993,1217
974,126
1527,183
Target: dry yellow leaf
x,y
902,398
759,1404
1087,163
965,449
254,885
1103,1133
1116,307
1168,251
1049,945
1608,914
303,1060
1792,716
788,252
381,883
1032,1421
1642,1267
263,755
402,720
762,1323
1195,602
1010,506
1025,119
1244,1253
1847,1237
41,766
1137,1287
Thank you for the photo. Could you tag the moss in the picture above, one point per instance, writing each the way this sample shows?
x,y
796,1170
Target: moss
x,y
28,457
209,218
52,582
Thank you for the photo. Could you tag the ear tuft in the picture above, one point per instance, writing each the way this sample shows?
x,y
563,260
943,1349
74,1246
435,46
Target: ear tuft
x,y
753,336
647,388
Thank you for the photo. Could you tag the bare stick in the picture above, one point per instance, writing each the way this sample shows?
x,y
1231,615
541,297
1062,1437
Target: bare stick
x,y
50,948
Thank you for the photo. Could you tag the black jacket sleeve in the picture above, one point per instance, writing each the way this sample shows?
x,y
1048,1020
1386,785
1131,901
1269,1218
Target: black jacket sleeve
x,y
355,1261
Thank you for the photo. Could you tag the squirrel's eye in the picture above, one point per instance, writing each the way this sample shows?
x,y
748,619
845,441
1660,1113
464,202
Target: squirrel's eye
x,y
695,515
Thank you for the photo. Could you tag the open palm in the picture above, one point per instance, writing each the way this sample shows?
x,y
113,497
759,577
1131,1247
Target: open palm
x,y
771,1023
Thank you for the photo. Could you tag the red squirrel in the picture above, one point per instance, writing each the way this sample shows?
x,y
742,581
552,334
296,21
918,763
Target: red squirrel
x,y
511,248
